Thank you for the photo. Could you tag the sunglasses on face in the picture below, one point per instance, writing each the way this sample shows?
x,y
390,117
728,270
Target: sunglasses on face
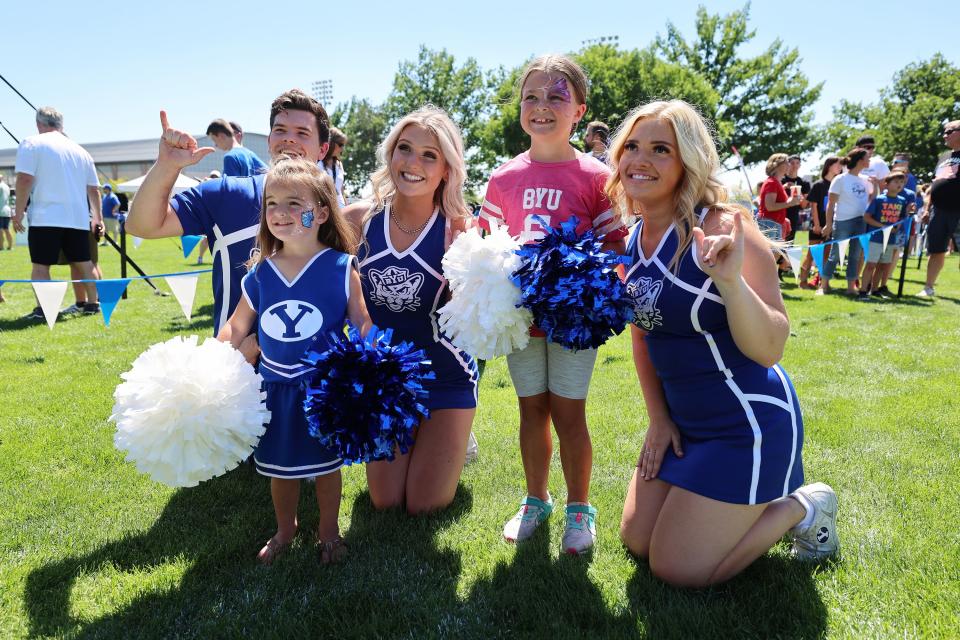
x,y
947,132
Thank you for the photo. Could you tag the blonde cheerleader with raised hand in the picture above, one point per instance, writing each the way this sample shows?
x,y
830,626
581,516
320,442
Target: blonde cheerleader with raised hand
x,y
552,181
302,286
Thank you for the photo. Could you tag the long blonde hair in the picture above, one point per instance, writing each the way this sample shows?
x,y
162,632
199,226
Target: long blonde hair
x,y
449,195
699,186
298,172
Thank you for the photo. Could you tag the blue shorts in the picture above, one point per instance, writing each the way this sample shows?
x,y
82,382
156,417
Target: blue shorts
x,y
287,450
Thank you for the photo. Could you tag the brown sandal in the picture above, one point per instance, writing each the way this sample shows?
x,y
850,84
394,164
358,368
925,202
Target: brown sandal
x,y
331,552
271,551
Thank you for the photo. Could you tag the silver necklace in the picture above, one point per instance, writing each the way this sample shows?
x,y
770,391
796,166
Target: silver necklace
x,y
409,232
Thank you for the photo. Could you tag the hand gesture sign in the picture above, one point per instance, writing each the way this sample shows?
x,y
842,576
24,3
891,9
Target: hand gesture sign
x,y
721,256
178,148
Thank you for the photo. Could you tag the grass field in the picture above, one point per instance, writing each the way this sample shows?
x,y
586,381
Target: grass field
x,y
89,548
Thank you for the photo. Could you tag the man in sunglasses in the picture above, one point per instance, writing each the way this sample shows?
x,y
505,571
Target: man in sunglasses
x,y
944,198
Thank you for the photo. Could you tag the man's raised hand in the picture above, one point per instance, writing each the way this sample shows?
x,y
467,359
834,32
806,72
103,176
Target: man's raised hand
x,y
178,148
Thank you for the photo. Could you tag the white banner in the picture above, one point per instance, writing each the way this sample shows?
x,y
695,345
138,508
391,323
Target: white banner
x,y
795,255
842,245
50,295
886,236
184,288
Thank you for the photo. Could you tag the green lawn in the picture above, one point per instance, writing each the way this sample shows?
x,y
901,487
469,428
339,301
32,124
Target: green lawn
x,y
91,548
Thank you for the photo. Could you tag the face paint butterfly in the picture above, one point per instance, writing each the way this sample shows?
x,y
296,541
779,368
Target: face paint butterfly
x,y
306,219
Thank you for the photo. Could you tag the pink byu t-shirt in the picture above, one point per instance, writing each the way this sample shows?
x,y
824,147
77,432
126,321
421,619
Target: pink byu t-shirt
x,y
523,188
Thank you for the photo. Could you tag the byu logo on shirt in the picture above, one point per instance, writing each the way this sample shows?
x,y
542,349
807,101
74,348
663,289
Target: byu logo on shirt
x,y
645,292
396,288
541,197
291,320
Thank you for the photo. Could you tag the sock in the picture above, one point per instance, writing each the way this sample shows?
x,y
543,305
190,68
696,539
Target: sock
x,y
811,511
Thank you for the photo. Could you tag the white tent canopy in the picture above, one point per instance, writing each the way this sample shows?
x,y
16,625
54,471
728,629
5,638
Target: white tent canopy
x,y
183,183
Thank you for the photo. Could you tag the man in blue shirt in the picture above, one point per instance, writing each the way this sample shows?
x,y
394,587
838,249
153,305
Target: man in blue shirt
x,y
110,206
226,211
237,160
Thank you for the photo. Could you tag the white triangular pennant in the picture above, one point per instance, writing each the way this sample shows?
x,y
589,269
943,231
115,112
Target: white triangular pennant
x,y
137,242
842,247
50,295
886,236
184,288
795,255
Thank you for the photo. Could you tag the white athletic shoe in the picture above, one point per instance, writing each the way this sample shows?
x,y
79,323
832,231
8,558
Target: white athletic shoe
x,y
927,292
532,512
580,532
819,540
473,449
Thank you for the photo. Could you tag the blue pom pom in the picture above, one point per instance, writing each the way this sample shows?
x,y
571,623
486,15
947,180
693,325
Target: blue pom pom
x,y
366,396
571,286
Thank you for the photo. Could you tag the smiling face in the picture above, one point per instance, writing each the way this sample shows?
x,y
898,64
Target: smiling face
x,y
417,165
295,134
548,107
292,214
650,166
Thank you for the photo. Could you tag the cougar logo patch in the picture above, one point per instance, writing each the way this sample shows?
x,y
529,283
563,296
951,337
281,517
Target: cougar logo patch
x,y
396,288
645,292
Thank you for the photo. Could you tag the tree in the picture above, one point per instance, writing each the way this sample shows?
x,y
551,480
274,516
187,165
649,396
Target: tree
x,y
619,81
907,117
365,125
462,91
766,102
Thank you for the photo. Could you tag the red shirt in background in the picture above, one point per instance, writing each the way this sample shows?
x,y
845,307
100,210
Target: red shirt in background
x,y
772,185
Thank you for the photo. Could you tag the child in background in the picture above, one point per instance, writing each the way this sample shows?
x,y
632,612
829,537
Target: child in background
x,y
301,287
886,209
552,181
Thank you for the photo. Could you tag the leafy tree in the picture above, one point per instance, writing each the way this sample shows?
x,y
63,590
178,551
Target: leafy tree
x,y
766,102
365,125
908,115
462,91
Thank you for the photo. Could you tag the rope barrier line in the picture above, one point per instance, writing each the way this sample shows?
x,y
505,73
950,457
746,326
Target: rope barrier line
x,y
159,275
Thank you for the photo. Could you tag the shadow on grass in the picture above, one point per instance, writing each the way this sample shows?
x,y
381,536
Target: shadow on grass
x,y
201,320
541,596
395,579
776,597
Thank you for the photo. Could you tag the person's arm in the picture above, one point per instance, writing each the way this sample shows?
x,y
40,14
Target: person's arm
x,y
832,199
662,431
357,306
354,215
93,197
770,202
815,217
237,328
151,215
869,218
740,262
24,188
115,208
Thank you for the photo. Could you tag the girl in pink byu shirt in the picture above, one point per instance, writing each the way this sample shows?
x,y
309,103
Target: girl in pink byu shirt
x,y
546,186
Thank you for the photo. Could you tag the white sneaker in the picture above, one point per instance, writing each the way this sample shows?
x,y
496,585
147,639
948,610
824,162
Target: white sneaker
x,y
533,511
580,532
473,449
820,539
926,293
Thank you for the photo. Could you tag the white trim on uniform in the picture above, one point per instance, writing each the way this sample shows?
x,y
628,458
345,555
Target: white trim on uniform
x,y
423,234
283,278
793,424
221,245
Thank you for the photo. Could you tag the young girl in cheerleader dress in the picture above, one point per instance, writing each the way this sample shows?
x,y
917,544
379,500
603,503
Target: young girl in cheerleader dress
x,y
302,286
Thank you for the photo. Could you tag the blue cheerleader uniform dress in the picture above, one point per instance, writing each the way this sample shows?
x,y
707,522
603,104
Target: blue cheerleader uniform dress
x,y
403,290
293,316
740,422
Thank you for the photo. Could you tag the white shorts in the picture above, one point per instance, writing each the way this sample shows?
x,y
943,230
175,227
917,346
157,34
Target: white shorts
x,y
546,366
878,254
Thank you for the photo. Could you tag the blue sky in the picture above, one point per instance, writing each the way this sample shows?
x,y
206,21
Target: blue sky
x,y
110,69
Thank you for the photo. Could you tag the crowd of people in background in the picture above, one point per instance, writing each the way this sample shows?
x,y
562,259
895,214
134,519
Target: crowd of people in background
x,y
857,193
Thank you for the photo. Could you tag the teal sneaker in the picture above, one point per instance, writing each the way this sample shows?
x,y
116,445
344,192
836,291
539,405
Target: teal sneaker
x,y
580,533
533,511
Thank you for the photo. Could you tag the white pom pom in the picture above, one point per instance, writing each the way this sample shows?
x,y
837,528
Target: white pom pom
x,y
187,413
482,317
